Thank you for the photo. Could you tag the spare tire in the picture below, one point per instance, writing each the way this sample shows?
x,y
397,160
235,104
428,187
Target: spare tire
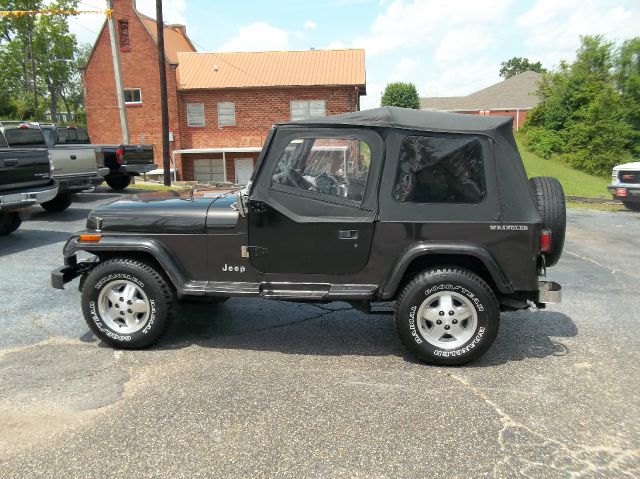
x,y
548,197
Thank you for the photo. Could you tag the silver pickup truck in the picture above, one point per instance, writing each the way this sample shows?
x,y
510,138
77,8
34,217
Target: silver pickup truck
x,y
76,167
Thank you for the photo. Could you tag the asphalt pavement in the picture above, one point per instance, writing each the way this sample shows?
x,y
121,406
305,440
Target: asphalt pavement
x,y
257,388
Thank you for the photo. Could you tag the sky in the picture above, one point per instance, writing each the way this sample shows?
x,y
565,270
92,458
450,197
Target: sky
x,y
446,48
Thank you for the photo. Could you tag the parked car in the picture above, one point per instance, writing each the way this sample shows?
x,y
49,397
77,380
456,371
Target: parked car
x,y
430,210
625,185
76,167
26,179
124,161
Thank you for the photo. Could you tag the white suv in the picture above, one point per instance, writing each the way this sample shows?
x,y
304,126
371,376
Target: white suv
x,y
625,185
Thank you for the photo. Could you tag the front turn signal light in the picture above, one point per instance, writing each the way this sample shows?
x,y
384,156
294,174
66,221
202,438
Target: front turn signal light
x,y
90,238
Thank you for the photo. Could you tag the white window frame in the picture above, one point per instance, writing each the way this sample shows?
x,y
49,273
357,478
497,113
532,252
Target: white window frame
x,y
190,119
226,118
306,105
132,102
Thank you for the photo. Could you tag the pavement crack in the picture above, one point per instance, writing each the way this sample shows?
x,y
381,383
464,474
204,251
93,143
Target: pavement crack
x,y
574,459
613,271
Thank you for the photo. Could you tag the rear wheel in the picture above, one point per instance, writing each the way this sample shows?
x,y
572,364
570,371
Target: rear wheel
x,y
549,200
9,222
447,316
631,205
127,303
60,203
118,182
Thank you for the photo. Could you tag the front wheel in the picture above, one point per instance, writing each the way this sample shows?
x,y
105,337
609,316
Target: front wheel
x,y
9,222
447,315
127,303
118,182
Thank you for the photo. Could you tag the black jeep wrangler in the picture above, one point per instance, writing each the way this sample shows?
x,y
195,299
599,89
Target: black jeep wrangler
x,y
430,210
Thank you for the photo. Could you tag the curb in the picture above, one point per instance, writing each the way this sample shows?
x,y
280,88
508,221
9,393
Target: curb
x,y
585,199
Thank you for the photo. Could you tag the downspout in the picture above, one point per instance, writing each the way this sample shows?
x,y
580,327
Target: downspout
x,y
357,105
224,166
517,119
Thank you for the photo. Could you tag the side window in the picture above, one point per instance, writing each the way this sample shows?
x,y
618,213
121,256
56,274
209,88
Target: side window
x,y
132,95
336,167
195,114
440,170
226,113
305,109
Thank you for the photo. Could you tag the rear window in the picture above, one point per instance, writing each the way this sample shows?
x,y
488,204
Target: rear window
x,y
24,137
73,136
440,170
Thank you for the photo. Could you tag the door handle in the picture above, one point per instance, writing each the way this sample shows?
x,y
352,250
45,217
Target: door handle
x,y
73,157
348,234
11,162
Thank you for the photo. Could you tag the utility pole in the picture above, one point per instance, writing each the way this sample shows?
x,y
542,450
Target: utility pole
x,y
162,64
115,52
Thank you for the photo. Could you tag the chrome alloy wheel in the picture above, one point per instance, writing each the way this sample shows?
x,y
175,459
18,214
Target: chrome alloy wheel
x,y
124,307
447,320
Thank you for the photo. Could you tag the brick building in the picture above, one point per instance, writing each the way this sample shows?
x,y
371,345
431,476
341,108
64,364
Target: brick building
x,y
221,105
512,97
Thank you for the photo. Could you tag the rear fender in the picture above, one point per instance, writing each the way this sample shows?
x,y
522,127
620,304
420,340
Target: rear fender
x,y
454,250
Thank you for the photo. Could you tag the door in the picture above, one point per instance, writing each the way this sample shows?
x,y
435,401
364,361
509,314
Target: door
x,y
208,170
244,170
313,208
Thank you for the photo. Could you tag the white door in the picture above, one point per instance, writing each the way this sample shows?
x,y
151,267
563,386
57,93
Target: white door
x,y
244,170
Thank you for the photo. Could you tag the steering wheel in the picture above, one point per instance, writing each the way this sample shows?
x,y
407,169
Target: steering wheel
x,y
296,180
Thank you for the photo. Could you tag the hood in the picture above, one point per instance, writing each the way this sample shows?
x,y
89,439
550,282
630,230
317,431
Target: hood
x,y
628,166
159,212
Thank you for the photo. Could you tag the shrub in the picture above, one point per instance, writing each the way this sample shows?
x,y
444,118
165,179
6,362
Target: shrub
x,y
401,94
544,143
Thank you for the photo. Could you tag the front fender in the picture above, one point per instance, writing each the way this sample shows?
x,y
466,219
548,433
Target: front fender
x,y
424,248
136,244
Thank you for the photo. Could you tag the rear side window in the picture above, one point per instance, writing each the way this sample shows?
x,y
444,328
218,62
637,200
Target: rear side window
x,y
24,137
440,170
3,142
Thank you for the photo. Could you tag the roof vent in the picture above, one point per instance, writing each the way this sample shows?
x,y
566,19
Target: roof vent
x,y
216,68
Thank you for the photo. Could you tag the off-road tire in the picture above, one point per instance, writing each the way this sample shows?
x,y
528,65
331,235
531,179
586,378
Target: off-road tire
x,y
9,222
549,199
60,203
441,280
632,206
153,284
119,182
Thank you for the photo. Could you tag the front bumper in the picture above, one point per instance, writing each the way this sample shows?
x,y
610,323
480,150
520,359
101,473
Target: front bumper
x,y
30,197
549,292
625,191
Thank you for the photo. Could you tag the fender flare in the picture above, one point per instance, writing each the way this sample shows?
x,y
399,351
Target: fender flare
x,y
128,244
417,250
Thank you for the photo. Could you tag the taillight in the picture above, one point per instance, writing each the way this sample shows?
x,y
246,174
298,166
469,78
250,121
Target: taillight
x,y
545,241
120,156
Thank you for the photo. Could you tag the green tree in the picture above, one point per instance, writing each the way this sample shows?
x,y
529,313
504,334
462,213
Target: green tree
x,y
583,117
401,94
628,84
36,56
518,65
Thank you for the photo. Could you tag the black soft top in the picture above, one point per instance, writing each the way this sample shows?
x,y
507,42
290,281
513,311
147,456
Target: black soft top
x,y
404,118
